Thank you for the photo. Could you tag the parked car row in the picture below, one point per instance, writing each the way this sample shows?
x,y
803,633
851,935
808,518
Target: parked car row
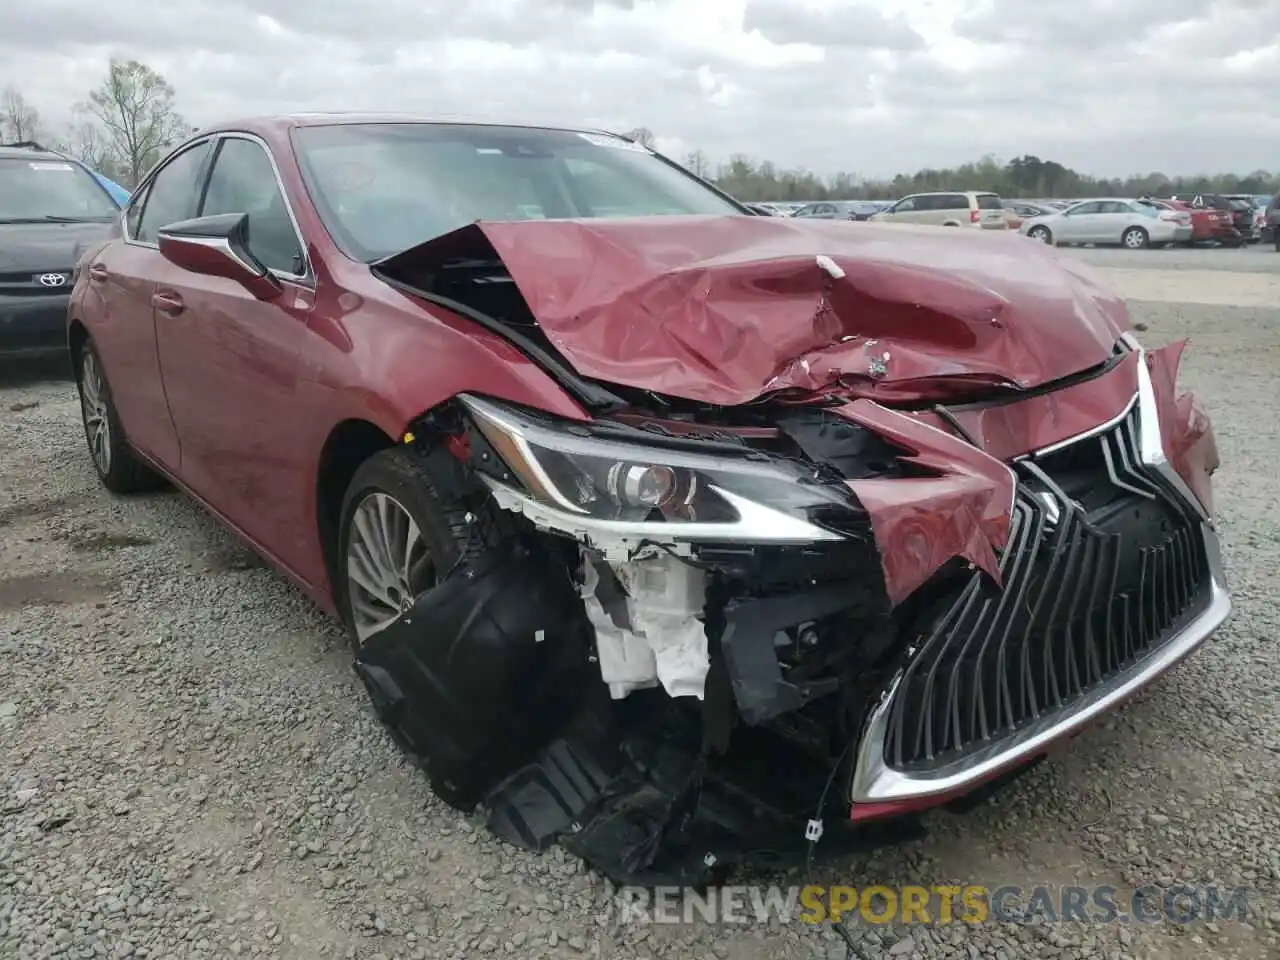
x,y
1226,219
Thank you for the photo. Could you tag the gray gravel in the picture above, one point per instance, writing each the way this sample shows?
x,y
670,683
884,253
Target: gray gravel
x,y
1251,258
188,767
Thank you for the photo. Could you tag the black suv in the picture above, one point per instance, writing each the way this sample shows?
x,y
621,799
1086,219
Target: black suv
x,y
52,209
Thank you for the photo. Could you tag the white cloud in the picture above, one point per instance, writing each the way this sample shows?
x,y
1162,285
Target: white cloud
x,y
1176,85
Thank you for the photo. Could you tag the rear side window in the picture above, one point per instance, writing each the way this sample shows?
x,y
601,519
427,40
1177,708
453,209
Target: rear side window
x,y
172,194
989,201
952,201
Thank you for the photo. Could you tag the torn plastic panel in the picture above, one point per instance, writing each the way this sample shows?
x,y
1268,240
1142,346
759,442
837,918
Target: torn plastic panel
x,y
725,310
452,676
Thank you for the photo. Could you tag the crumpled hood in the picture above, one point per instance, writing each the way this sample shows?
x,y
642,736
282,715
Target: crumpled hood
x,y
726,309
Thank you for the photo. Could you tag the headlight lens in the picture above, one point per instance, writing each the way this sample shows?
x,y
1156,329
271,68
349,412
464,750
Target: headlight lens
x,y
564,466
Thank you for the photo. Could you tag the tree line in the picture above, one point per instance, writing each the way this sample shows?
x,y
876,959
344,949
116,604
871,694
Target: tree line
x,y
1026,176
130,120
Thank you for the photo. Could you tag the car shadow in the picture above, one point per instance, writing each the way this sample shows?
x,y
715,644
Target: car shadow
x,y
23,371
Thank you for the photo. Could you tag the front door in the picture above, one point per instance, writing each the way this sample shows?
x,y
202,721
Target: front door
x,y
231,362
1077,224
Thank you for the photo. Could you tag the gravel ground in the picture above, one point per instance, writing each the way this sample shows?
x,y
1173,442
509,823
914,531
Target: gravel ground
x,y
188,767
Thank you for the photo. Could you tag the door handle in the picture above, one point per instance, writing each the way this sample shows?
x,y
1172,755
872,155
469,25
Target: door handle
x,y
169,303
98,273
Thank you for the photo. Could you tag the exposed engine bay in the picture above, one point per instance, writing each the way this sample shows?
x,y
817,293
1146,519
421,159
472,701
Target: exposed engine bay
x,y
714,632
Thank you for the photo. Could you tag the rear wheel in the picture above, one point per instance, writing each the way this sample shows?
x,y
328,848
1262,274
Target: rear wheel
x,y
118,467
1135,238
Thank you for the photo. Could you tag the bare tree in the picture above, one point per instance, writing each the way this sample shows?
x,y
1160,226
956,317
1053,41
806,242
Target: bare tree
x,y
135,108
18,119
86,141
641,135
696,162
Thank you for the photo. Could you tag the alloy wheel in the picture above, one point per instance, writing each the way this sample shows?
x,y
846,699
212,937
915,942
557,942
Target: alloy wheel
x,y
93,406
1040,234
1135,239
388,563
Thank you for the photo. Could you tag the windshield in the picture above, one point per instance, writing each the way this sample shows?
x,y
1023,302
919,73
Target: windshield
x,y
51,190
383,188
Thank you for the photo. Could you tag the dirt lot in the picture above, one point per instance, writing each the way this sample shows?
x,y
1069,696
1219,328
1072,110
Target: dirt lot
x,y
188,767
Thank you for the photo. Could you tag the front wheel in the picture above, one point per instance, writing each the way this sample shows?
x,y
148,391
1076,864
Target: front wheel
x,y
1135,238
406,521
1040,234
117,466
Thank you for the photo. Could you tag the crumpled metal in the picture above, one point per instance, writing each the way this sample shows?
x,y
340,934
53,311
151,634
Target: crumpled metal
x,y
726,309
921,523
1189,443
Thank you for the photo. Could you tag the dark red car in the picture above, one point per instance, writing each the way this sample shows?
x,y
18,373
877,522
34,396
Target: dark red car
x,y
660,530
1207,223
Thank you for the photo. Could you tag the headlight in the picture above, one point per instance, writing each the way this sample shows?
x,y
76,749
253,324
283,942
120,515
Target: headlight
x,y
624,487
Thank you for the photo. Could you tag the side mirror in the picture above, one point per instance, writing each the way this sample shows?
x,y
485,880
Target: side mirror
x,y
217,246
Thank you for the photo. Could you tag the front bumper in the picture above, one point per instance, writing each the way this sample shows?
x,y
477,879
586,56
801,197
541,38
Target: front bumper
x,y
1180,599
884,789
33,324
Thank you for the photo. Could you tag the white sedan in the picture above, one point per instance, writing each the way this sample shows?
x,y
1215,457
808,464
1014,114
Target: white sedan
x,y
1125,223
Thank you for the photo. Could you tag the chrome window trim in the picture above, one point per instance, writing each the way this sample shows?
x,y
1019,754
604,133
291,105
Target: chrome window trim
x,y
305,278
142,192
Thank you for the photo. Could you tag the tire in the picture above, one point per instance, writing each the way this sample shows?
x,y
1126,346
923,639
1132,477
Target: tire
x,y
118,467
432,489
1041,234
1135,238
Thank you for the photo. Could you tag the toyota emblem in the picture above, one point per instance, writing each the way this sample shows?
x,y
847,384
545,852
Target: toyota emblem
x,y
52,279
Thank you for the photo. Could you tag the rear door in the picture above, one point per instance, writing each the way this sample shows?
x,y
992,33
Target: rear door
x,y
123,280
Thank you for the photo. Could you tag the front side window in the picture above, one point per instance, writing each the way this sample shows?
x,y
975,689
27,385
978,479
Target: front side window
x,y
243,181
905,205
49,189
381,188
172,194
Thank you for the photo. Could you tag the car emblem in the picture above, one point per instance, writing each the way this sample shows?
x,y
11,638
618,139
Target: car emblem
x,y
52,279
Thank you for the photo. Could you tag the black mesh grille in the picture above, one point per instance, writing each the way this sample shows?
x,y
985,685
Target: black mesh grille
x,y
1102,566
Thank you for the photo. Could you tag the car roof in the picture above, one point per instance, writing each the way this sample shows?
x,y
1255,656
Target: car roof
x,y
28,151
282,123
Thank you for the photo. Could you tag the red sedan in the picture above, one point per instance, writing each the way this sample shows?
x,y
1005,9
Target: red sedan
x,y
656,526
1206,222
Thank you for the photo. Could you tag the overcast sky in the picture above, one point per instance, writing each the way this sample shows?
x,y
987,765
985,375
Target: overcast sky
x,y
1105,86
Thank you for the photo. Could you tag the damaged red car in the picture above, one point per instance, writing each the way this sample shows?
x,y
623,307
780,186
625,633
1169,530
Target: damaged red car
x,y
673,535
